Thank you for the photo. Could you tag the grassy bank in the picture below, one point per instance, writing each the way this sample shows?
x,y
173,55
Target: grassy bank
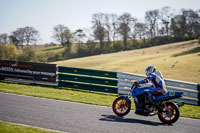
x,y
72,95
6,127
178,61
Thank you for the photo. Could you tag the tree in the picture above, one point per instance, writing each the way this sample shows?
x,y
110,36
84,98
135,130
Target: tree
x,y
178,26
4,38
111,26
192,22
67,37
124,27
13,40
59,33
28,54
19,35
99,29
152,18
8,52
26,35
164,17
114,18
140,30
80,34
31,35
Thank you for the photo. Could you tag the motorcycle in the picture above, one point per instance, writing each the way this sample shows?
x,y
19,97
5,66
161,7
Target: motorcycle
x,y
159,104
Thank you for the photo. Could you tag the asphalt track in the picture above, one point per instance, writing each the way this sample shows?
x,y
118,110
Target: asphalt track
x,y
83,118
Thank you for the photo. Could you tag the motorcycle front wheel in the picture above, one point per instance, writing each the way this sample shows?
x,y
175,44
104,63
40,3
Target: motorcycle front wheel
x,y
121,106
170,114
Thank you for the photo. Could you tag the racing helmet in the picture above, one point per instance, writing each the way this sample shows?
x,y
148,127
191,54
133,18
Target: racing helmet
x,y
150,69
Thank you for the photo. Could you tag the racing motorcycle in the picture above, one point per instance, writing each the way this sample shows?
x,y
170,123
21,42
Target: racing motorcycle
x,y
167,111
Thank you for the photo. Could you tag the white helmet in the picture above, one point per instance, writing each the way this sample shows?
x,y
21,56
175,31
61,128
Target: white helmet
x,y
150,69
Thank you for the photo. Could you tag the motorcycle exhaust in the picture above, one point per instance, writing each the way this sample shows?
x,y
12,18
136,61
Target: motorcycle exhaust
x,y
180,104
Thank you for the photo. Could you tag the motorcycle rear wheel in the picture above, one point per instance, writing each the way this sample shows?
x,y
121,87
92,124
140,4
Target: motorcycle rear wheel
x,y
121,106
169,115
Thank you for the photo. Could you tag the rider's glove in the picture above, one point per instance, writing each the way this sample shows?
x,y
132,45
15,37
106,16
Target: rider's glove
x,y
136,83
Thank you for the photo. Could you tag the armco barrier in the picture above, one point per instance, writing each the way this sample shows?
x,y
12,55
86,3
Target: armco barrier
x,y
111,82
191,90
87,79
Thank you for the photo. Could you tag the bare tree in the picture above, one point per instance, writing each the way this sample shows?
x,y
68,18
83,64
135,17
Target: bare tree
x,y
31,35
4,38
152,19
26,35
14,40
165,15
178,26
114,18
19,35
58,31
133,29
99,30
192,21
111,26
124,27
140,30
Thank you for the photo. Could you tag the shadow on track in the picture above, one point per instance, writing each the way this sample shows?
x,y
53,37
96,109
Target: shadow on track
x,y
113,118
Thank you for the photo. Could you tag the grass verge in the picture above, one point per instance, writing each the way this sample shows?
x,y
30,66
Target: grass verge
x,y
67,94
81,96
6,127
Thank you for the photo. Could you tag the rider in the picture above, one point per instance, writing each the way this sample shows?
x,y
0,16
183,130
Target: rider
x,y
159,87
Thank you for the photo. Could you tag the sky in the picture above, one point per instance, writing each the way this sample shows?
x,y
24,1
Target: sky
x,y
43,15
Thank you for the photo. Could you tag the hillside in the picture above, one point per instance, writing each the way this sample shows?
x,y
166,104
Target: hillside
x,y
180,61
44,49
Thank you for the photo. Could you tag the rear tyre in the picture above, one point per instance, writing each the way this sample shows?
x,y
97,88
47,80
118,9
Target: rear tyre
x,y
121,106
170,114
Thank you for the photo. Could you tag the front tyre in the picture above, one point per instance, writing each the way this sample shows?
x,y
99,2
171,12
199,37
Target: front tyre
x,y
170,114
121,106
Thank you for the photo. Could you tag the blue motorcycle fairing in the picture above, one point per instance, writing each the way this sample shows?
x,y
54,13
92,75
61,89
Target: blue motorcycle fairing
x,y
169,95
139,91
126,98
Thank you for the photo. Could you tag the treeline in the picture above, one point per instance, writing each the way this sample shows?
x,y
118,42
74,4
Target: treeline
x,y
28,53
112,33
10,52
20,37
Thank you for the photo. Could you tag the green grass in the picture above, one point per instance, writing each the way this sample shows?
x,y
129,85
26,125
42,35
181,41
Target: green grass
x,y
54,49
6,127
81,96
59,93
